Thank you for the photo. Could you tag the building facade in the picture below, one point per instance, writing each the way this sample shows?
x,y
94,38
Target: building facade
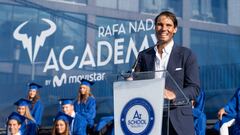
x,y
59,42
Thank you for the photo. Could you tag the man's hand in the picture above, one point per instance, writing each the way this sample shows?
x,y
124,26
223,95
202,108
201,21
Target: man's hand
x,y
221,112
168,94
193,103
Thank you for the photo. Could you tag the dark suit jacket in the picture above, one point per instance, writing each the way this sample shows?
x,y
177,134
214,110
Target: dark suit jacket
x,y
187,78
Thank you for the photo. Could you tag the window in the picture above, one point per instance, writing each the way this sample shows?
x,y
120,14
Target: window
x,y
119,4
210,10
218,48
218,57
156,6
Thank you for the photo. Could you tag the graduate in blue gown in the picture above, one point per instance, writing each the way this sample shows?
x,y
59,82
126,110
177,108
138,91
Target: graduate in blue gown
x,y
14,123
86,103
229,116
28,127
78,125
105,125
36,106
200,119
62,124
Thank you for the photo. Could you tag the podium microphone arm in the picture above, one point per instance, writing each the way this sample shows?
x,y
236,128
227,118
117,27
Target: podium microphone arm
x,y
134,65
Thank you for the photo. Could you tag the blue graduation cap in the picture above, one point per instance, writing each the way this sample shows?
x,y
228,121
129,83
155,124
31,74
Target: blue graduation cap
x,y
22,102
34,86
16,116
65,101
86,82
64,117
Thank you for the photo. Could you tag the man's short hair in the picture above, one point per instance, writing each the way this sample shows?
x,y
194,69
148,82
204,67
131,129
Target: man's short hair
x,y
168,14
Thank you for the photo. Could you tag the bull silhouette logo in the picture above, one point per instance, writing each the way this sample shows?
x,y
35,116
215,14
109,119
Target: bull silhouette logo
x,y
40,39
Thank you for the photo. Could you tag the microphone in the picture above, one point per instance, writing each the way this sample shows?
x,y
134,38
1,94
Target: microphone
x,y
129,74
125,75
134,65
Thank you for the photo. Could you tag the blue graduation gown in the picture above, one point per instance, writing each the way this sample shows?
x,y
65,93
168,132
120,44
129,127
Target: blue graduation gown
x,y
105,123
79,125
87,110
199,115
232,108
37,112
235,129
28,128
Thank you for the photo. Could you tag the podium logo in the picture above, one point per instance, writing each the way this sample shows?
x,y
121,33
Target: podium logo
x,y
40,39
137,117
137,121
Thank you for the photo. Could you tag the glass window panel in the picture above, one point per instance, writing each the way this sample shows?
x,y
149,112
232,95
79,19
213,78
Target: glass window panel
x,y
233,11
156,6
128,5
210,10
206,42
119,4
23,13
71,32
107,3
6,12
218,57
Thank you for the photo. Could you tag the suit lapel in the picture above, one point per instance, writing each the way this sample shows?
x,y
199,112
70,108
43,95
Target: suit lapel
x,y
150,60
174,59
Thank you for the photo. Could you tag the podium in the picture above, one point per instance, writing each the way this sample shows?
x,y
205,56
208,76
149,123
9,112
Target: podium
x,y
139,104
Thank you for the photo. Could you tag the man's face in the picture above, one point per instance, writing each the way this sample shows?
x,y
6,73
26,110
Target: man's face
x,y
165,29
13,126
68,109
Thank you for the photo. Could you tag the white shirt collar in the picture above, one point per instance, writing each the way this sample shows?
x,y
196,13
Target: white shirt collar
x,y
167,49
161,62
19,133
73,114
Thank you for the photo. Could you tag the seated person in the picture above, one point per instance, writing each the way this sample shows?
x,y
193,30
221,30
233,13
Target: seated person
x,y
79,124
86,103
228,115
14,123
105,126
29,126
61,124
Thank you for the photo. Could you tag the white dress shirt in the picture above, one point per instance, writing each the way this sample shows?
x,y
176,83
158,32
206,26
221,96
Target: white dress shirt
x,y
162,62
72,124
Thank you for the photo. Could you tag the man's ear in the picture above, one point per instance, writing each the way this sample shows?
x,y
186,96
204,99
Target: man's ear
x,y
19,125
175,30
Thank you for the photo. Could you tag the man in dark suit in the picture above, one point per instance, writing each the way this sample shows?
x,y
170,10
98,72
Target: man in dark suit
x,y
181,63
